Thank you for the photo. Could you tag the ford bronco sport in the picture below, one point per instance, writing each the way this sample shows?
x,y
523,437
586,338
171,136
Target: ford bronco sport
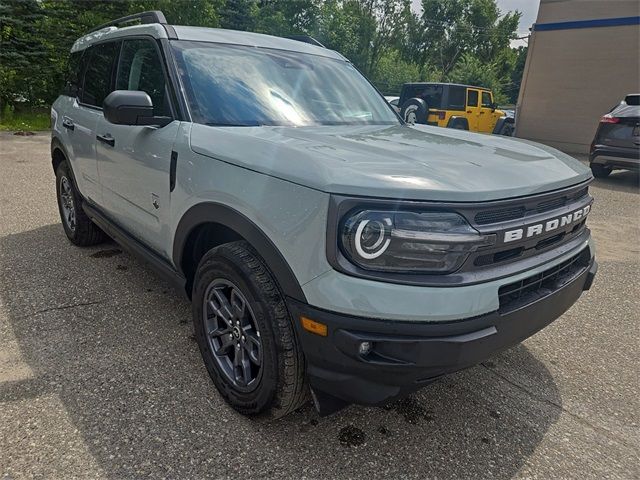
x,y
451,105
326,246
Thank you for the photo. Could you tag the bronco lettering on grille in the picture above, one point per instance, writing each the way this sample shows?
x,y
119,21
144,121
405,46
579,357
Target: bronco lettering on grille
x,y
548,226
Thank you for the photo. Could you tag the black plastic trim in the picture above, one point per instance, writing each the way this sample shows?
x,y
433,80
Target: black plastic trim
x,y
136,248
406,355
458,119
172,170
210,212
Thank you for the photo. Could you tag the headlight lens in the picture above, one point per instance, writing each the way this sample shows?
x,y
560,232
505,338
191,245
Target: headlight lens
x,y
417,242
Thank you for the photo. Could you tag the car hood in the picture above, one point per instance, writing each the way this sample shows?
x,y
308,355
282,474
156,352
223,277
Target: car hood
x,y
400,162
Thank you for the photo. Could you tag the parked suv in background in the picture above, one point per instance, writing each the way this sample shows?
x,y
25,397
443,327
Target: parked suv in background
x,y
326,246
616,144
452,105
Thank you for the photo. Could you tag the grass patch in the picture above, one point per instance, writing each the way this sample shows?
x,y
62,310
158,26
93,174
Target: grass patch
x,y
32,121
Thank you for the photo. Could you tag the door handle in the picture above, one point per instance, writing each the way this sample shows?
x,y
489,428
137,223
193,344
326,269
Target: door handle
x,y
481,113
107,138
68,124
469,111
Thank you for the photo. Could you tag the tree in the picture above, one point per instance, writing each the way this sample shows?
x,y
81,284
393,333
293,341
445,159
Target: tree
x,y
21,55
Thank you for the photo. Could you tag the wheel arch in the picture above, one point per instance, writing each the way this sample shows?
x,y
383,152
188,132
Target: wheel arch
x,y
454,119
59,155
209,224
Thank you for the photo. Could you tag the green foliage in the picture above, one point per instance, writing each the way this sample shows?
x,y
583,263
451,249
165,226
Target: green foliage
x,y
27,120
458,40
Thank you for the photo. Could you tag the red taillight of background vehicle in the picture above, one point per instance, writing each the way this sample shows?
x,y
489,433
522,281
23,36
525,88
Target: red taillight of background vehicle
x,y
608,118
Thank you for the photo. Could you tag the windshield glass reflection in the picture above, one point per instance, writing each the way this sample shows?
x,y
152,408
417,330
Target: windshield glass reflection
x,y
247,86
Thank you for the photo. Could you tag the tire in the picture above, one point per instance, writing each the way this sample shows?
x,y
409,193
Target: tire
x,y
78,227
458,124
600,171
507,130
274,386
414,110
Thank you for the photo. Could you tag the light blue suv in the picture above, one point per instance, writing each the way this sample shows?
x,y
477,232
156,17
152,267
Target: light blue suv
x,y
327,247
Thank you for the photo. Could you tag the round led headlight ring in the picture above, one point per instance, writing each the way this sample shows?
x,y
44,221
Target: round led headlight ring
x,y
371,238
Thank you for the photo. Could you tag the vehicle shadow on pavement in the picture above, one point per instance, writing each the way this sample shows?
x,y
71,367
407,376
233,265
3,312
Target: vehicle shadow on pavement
x,y
113,346
620,181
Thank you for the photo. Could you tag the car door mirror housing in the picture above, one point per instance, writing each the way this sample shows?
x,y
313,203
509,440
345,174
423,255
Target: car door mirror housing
x,y
131,107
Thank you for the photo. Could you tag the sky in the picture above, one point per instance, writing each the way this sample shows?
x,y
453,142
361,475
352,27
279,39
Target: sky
x,y
529,9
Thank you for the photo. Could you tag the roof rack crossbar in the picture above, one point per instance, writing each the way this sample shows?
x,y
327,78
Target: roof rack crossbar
x,y
305,39
152,16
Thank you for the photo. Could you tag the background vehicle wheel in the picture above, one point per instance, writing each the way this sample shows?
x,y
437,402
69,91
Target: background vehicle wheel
x,y
77,225
414,110
600,171
458,125
246,335
507,129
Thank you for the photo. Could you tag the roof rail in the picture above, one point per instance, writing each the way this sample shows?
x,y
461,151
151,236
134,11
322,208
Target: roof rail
x,y
305,39
152,16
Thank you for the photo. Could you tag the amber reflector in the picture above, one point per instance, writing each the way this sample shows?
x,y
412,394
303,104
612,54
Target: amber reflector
x,y
314,327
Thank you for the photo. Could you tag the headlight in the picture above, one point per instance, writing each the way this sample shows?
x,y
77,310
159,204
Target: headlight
x,y
417,242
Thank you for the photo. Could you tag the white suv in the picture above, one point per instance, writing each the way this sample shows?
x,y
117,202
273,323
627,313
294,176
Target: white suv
x,y
327,246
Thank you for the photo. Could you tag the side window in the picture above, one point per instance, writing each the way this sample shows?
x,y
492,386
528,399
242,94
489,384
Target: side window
x,y
456,98
97,78
140,68
486,100
472,98
72,84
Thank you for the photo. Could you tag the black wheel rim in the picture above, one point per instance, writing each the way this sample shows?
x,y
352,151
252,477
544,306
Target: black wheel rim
x,y
232,334
67,205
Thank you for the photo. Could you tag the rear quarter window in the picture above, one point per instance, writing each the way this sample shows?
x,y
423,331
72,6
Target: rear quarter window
x,y
74,75
98,77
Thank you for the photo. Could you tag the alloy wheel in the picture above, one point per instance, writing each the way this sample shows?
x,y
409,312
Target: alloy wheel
x,y
232,334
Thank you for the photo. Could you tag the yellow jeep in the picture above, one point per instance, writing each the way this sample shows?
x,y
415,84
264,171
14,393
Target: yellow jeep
x,y
454,106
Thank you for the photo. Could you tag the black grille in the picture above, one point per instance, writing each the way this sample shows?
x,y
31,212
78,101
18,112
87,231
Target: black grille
x,y
504,215
551,204
530,289
520,211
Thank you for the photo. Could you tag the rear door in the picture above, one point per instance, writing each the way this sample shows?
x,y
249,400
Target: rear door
x,y
134,163
82,117
473,109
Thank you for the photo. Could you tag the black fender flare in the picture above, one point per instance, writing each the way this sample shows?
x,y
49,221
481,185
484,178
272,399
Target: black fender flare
x,y
212,212
56,144
458,119
500,123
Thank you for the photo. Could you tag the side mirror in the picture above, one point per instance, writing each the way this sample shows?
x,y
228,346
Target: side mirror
x,y
494,107
131,107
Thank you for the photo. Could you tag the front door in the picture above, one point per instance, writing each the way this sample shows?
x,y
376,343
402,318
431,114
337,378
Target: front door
x,y
488,116
134,161
473,109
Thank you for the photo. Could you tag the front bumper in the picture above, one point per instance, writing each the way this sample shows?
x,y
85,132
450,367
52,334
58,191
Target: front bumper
x,y
407,355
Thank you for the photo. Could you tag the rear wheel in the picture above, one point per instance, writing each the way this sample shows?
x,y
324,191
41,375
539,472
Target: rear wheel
x,y
245,333
78,227
600,171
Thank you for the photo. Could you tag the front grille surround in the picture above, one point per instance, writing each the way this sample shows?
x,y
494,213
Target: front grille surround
x,y
500,260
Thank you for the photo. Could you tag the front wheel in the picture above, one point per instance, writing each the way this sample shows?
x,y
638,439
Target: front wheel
x,y
245,333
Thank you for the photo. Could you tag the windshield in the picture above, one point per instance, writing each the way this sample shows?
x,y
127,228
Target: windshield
x,y
231,85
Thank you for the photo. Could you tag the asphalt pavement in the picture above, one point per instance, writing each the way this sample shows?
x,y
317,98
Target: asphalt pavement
x,y
100,375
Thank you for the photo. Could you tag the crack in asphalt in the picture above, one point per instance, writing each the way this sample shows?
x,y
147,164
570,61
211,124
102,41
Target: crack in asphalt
x,y
576,417
63,307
